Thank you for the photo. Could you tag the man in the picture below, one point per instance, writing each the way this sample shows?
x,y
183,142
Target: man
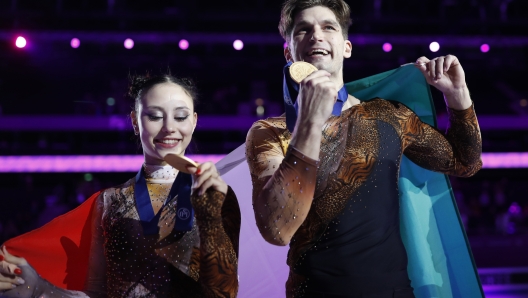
x,y
328,186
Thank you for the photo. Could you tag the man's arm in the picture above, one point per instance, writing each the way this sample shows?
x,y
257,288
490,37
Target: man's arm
x,y
458,152
284,175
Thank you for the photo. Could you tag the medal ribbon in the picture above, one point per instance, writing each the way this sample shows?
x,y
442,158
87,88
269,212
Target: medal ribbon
x,y
184,210
290,89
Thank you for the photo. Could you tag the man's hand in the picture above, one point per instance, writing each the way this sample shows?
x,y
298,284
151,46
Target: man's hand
x,y
317,95
446,74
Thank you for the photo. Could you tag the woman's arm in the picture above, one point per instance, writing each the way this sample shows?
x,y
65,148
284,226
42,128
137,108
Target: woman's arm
x,y
218,220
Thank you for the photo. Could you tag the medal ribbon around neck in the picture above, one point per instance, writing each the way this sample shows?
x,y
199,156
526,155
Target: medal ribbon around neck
x,y
290,90
184,211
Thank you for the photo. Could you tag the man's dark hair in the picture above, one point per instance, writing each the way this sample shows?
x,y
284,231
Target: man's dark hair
x,y
291,8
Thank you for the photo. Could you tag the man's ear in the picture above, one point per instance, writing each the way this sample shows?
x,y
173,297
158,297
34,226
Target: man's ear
x,y
133,119
288,54
348,49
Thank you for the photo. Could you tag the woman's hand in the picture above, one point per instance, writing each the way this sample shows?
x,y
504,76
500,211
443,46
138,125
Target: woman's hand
x,y
9,271
206,176
18,278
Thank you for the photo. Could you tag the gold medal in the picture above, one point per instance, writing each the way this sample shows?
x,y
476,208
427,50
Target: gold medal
x,y
300,70
180,162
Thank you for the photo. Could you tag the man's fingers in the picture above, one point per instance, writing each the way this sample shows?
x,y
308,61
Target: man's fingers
x,y
421,63
317,74
431,66
439,66
450,60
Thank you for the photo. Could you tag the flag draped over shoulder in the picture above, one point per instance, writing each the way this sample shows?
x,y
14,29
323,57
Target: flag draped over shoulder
x,y
440,259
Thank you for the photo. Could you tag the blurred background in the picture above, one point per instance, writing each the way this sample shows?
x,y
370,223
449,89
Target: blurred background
x,y
64,66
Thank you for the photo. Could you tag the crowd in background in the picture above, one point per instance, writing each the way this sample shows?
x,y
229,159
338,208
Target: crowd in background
x,y
487,206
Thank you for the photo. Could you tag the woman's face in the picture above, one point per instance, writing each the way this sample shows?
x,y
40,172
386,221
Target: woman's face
x,y
165,120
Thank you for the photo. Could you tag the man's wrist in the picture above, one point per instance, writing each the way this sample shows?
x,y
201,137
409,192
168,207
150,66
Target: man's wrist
x,y
458,99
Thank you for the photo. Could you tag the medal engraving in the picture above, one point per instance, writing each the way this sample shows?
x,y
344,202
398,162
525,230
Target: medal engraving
x,y
300,70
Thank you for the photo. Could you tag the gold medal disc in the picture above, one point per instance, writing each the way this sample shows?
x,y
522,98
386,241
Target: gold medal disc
x,y
300,70
180,162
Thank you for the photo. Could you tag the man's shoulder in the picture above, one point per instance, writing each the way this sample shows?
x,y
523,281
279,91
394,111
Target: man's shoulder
x,y
278,123
379,106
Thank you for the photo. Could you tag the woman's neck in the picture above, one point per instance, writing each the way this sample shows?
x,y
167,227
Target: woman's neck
x,y
160,173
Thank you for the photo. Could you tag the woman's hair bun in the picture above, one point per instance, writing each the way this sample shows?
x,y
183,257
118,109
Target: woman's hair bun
x,y
136,85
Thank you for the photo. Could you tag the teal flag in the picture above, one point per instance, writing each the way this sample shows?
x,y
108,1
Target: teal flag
x,y
440,259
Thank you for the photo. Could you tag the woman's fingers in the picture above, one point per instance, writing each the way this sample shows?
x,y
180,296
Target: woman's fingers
x,y
12,279
9,263
9,270
6,286
13,259
205,186
206,177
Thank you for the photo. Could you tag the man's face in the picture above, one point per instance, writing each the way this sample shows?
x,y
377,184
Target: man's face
x,y
317,38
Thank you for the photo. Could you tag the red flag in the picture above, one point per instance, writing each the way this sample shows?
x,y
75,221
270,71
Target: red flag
x,y
59,251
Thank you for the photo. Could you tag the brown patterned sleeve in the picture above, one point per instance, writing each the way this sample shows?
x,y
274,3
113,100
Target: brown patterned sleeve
x,y
457,152
283,183
218,219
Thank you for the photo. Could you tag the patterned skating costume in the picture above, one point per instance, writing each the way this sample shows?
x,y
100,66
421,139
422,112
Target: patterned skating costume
x,y
349,244
199,263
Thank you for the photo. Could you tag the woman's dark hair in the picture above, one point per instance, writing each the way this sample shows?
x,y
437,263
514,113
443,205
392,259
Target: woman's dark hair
x,y
141,84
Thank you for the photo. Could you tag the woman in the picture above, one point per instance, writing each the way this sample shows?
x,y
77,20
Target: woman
x,y
144,242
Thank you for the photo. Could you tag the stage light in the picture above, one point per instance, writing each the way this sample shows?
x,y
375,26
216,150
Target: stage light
x,y
260,111
238,45
485,48
434,46
183,44
129,43
88,177
75,43
110,101
285,45
387,47
20,42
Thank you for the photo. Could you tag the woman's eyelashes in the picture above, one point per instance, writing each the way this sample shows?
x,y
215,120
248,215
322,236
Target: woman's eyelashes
x,y
158,118
154,117
181,118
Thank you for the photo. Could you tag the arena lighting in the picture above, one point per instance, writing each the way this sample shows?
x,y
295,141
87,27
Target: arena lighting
x,y
238,45
434,46
183,44
129,43
131,163
285,45
75,43
20,42
387,47
484,48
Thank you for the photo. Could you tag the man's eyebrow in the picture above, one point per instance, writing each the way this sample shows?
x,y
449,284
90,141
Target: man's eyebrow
x,y
326,22
331,22
301,24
